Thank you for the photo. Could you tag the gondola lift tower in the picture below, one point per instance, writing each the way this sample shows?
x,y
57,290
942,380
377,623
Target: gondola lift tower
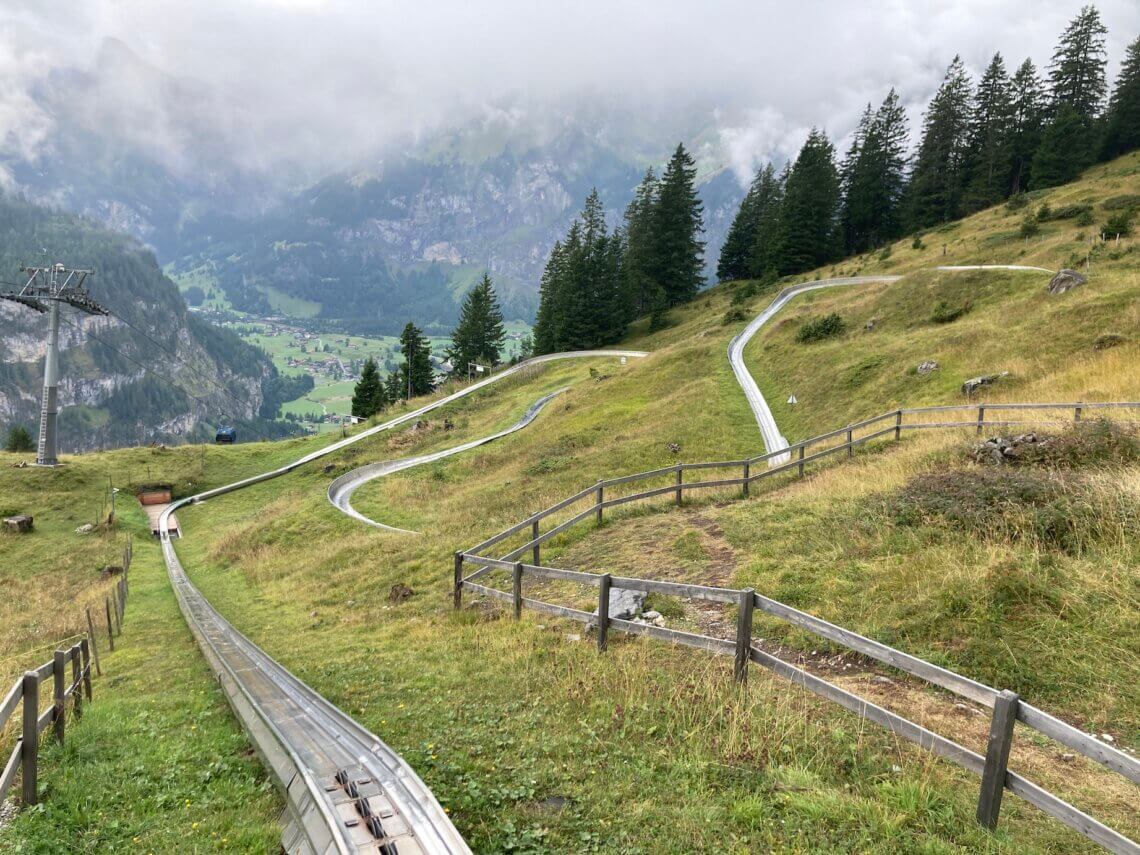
x,y
45,290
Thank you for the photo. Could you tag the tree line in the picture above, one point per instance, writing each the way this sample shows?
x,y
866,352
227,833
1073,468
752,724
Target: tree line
x,y
477,340
979,145
597,280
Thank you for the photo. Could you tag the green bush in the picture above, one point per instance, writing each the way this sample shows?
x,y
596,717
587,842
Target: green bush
x,y
1065,212
19,439
917,242
944,313
745,292
732,316
818,329
1029,226
1122,203
1016,203
1085,218
1119,224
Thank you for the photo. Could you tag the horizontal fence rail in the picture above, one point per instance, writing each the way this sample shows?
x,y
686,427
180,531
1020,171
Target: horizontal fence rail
x,y
69,672
1006,707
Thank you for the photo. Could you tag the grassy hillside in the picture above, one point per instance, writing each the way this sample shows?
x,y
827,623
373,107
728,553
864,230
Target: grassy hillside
x,y
535,743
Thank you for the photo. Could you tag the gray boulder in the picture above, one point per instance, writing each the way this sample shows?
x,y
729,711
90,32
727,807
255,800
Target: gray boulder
x,y
975,383
625,604
927,366
1066,280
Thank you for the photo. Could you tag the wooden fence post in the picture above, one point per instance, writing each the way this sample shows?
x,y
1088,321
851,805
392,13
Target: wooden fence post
x,y
30,742
801,466
604,582
680,477
457,593
850,443
110,626
747,475
981,419
85,650
517,588
601,496
77,695
536,555
997,758
94,646
116,611
898,424
1077,413
58,664
743,634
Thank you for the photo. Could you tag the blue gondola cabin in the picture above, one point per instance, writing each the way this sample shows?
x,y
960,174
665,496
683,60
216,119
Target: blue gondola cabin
x,y
225,436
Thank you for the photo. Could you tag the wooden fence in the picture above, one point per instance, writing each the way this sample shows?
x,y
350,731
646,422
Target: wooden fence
x,y
1006,706
73,663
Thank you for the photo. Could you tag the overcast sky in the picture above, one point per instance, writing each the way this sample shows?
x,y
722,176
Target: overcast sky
x,y
322,82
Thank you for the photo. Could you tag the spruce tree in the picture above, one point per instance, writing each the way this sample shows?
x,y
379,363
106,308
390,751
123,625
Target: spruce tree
x,y
394,390
479,335
761,262
676,230
847,175
874,187
1028,112
417,362
1067,148
369,395
550,305
938,180
638,261
1077,73
733,262
991,138
1122,122
806,232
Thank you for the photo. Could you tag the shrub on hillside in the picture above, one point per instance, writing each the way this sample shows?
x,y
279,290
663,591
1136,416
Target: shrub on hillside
x,y
818,329
1122,203
745,292
1016,203
1085,218
944,313
1119,224
19,439
1065,212
732,316
1029,226
917,242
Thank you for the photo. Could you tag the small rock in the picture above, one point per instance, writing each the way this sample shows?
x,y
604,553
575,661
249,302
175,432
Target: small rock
x,y
975,383
962,709
328,467
313,613
870,325
651,615
927,366
883,681
674,448
20,523
350,603
573,636
658,621
896,769
448,424
1065,280
1068,758
1107,737
399,592
86,528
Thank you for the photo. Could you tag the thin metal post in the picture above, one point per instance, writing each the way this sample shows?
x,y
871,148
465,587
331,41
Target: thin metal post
x,y
517,586
537,555
898,424
85,651
110,626
997,758
743,634
747,475
604,582
981,419
680,476
77,697
457,593
801,466
30,741
58,664
598,504
94,646
850,443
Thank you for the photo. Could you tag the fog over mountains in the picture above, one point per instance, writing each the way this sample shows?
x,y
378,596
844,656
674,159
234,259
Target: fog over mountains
x,y
371,160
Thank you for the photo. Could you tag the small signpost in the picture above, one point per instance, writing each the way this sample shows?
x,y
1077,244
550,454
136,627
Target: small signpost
x,y
792,399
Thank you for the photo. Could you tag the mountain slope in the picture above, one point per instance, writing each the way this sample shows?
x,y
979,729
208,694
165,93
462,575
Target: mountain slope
x,y
118,387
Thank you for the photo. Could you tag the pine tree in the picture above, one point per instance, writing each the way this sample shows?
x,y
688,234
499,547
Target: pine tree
x,y
676,230
479,335
1067,148
417,362
369,396
938,180
874,186
991,138
1077,73
761,263
806,232
1122,122
19,439
733,261
638,262
1028,112
546,324
394,389
847,175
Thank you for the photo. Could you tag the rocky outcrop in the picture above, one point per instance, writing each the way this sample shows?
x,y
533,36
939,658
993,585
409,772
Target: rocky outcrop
x,y
926,367
1066,280
975,383
1000,450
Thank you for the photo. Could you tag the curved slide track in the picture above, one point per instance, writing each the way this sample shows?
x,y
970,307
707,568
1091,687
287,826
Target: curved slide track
x,y
769,431
341,489
345,790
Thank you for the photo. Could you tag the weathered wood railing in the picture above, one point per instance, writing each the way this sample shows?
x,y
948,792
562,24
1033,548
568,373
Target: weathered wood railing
x,y
70,673
1007,707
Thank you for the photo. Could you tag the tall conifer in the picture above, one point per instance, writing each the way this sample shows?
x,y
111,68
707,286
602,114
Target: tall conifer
x,y
939,177
806,232
1122,122
677,228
